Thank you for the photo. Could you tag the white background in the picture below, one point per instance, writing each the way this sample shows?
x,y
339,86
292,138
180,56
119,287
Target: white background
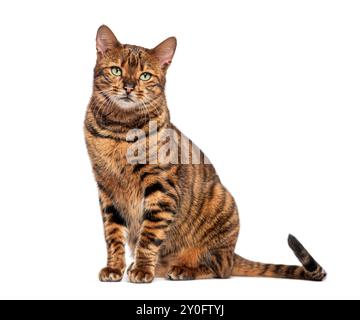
x,y
268,89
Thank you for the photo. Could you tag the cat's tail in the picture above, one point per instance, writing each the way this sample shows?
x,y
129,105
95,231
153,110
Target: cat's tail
x,y
310,269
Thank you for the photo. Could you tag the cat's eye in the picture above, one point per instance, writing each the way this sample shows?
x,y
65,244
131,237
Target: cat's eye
x,y
146,76
116,71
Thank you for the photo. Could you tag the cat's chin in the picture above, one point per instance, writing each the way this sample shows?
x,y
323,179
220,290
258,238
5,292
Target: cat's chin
x,y
126,105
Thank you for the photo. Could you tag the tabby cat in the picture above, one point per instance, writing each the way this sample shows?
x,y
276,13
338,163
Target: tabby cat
x,y
177,218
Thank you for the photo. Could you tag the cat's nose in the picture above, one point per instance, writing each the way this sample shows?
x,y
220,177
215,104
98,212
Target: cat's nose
x,y
129,87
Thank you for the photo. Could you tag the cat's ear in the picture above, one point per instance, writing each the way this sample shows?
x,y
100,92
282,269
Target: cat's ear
x,y
165,52
105,40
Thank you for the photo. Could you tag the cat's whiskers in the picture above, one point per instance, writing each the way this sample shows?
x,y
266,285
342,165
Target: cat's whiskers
x,y
103,107
152,104
144,108
107,94
99,107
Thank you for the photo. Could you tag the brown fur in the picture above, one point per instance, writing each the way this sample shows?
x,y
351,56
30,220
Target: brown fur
x,y
179,220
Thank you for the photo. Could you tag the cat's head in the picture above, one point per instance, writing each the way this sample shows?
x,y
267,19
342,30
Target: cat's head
x,y
127,75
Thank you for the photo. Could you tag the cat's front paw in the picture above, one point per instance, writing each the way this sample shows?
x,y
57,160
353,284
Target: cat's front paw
x,y
111,275
140,274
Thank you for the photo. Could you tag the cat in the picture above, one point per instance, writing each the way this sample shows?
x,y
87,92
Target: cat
x,y
179,221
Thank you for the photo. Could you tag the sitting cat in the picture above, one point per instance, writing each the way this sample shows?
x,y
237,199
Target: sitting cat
x,y
157,190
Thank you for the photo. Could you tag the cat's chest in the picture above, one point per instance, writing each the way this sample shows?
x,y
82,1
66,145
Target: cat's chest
x,y
110,154
117,174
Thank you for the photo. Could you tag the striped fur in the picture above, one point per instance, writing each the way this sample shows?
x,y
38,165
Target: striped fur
x,y
179,221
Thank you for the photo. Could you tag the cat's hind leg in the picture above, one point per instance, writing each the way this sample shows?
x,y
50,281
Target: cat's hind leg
x,y
186,273
214,264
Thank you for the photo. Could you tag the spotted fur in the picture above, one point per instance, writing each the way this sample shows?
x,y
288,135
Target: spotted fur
x,y
179,220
